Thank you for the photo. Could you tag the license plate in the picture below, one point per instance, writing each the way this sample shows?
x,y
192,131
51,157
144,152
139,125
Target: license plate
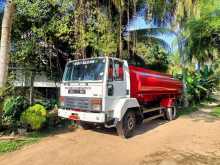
x,y
75,91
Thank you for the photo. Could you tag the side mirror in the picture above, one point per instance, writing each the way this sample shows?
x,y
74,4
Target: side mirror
x,y
110,89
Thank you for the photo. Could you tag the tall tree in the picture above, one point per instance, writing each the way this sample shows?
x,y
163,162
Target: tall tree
x,y
203,32
120,5
5,41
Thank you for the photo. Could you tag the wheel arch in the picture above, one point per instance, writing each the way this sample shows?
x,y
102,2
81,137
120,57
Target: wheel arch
x,y
125,105
167,102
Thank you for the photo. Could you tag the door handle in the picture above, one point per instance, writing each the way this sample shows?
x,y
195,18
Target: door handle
x,y
110,89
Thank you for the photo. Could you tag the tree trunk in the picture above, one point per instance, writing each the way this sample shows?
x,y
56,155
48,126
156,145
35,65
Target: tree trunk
x,y
5,41
32,77
5,45
120,34
183,65
128,17
134,35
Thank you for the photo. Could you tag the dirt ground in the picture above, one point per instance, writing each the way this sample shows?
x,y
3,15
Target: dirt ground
x,y
188,140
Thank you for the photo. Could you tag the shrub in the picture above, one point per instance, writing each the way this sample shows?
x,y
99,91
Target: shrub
x,y
53,119
12,109
50,104
34,116
201,84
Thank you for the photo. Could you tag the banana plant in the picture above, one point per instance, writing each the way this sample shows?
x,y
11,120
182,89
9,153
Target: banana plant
x,y
194,87
201,84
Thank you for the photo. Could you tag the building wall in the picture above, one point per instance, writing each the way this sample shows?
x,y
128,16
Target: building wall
x,y
23,79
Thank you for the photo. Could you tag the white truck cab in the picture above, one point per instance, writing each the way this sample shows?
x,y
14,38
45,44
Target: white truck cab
x,y
97,91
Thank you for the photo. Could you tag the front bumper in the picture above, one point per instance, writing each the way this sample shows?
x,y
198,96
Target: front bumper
x,y
83,116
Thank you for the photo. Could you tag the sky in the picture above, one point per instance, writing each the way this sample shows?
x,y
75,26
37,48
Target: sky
x,y
1,4
139,22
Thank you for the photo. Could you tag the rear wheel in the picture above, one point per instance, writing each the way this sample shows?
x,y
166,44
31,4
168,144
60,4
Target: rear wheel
x,y
126,126
170,113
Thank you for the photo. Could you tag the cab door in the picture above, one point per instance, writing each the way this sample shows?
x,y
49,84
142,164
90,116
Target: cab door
x,y
118,82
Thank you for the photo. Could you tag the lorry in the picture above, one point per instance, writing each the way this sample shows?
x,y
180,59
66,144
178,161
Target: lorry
x,y
107,91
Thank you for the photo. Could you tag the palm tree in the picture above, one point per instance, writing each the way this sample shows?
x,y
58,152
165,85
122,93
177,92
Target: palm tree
x,y
5,41
150,34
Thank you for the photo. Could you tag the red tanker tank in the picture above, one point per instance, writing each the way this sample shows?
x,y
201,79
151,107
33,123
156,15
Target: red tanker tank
x,y
148,85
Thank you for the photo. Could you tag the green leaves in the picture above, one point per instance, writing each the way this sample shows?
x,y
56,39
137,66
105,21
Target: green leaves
x,y
95,31
201,30
12,109
201,84
34,116
119,4
155,56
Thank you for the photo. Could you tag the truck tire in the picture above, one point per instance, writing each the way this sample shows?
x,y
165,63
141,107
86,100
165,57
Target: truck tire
x,y
86,126
170,113
126,126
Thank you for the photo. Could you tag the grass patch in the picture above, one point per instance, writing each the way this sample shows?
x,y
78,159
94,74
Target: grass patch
x,y
216,112
12,145
186,111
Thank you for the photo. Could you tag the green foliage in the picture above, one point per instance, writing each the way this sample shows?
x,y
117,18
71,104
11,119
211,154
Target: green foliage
x,y
50,104
202,32
96,32
47,32
175,68
180,9
40,35
119,4
201,84
155,56
34,116
7,90
209,79
187,111
216,112
158,8
12,108
12,145
194,87
9,146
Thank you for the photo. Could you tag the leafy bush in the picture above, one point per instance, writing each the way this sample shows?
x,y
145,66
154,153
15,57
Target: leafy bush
x,y
51,104
12,109
53,119
34,116
194,86
201,84
209,80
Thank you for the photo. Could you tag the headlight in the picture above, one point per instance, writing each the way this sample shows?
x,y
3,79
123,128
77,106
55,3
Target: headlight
x,y
96,104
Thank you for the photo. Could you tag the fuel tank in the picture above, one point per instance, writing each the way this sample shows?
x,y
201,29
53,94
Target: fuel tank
x,y
148,85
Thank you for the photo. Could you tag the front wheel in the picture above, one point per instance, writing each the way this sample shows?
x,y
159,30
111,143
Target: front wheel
x,y
126,126
170,113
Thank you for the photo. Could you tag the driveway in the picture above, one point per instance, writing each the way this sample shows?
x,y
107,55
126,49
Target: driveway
x,y
188,140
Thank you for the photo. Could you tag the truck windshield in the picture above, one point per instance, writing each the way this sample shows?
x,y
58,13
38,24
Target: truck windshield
x,y
84,70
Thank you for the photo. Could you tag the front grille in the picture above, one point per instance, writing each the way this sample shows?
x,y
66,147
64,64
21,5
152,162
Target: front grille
x,y
77,103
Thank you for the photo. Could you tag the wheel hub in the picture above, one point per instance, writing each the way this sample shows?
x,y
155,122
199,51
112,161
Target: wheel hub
x,y
130,123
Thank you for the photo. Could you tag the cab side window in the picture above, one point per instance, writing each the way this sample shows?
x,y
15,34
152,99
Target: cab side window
x,y
118,71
